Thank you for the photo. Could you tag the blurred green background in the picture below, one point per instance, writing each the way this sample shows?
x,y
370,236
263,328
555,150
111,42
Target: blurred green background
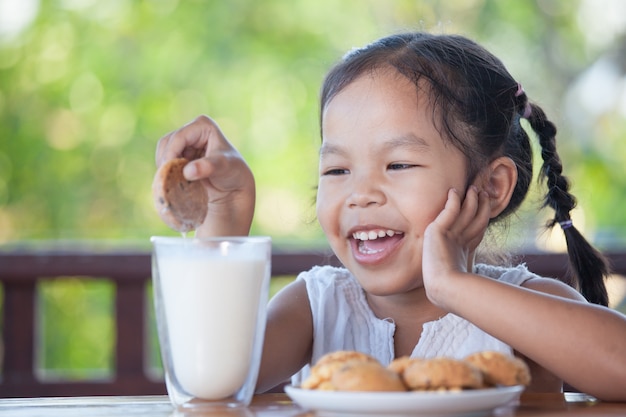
x,y
87,88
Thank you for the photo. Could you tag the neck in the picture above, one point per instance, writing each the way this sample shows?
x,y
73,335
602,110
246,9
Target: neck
x,y
409,308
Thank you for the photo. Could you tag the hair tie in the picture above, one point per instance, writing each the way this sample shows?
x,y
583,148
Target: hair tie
x,y
566,224
527,109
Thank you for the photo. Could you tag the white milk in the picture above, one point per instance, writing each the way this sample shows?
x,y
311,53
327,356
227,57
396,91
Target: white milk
x,y
211,314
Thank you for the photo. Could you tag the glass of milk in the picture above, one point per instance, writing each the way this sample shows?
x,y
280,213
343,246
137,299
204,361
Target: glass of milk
x,y
210,299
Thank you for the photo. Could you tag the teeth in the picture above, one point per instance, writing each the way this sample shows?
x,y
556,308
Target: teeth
x,y
374,234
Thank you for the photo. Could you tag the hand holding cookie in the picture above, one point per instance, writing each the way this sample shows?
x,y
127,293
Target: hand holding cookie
x,y
202,182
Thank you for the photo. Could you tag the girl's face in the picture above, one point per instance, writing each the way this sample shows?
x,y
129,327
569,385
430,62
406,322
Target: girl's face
x,y
385,173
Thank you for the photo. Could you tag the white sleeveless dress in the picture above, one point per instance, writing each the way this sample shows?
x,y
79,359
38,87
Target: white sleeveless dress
x,y
342,320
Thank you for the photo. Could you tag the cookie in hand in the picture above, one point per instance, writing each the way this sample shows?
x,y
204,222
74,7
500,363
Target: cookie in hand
x,y
181,204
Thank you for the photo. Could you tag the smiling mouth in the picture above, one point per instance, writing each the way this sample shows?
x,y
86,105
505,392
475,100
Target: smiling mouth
x,y
375,241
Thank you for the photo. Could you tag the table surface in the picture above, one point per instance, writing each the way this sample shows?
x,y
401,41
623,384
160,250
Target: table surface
x,y
279,405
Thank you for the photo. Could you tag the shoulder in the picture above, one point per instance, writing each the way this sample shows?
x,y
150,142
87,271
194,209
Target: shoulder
x,y
309,286
520,275
516,275
554,287
332,289
325,271
314,285
326,276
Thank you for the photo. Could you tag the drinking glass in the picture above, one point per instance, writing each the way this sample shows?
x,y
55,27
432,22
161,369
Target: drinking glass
x,y
210,298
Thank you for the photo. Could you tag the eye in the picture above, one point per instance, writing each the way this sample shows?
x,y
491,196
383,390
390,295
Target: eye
x,y
335,171
399,166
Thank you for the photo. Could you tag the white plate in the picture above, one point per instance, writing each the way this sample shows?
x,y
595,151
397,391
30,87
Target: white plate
x,y
431,403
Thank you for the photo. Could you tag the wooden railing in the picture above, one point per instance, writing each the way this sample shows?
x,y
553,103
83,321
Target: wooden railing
x,y
20,272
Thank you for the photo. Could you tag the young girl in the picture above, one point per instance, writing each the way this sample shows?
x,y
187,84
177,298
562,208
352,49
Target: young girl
x,y
422,149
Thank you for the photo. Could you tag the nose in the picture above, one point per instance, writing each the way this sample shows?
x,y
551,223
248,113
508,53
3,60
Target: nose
x,y
364,193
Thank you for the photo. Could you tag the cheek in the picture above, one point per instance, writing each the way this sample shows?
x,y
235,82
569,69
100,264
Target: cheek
x,y
328,210
424,206
322,208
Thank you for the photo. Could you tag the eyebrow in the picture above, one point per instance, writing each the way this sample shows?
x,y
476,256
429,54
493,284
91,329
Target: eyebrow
x,y
327,149
409,142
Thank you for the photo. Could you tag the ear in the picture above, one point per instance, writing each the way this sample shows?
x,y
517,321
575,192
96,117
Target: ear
x,y
499,179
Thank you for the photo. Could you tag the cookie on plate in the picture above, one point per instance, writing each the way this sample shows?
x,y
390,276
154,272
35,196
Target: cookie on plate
x,y
500,369
398,365
359,375
441,374
181,204
322,371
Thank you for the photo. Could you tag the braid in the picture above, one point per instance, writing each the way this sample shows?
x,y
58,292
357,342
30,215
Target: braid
x,y
589,267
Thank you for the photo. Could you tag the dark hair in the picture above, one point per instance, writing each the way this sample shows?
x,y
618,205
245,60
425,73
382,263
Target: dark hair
x,y
477,106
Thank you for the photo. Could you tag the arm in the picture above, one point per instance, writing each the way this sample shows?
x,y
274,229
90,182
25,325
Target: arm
x,y
288,336
546,320
222,170
579,342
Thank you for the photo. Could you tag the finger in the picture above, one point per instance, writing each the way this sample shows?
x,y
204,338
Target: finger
x,y
222,169
476,230
161,145
201,168
469,209
484,207
190,141
450,212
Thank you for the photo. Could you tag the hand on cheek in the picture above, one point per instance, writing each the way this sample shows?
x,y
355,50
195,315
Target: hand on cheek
x,y
451,239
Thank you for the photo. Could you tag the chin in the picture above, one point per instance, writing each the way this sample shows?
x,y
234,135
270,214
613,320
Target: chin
x,y
382,284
